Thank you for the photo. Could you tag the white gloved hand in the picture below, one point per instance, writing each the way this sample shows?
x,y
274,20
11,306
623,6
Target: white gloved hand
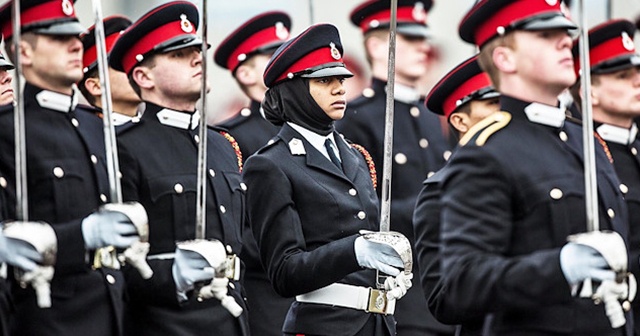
x,y
579,262
188,268
398,286
19,253
377,256
112,225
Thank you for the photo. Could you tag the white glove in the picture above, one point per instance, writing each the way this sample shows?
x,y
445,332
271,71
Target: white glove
x,y
19,253
188,268
397,287
112,225
377,256
579,262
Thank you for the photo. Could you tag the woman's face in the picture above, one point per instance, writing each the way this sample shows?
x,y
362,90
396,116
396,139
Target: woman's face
x,y
329,94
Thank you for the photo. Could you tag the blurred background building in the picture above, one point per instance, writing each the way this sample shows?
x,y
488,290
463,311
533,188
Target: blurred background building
x,y
224,16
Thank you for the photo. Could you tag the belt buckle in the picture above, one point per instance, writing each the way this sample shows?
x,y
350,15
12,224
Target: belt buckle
x,y
378,301
232,271
105,257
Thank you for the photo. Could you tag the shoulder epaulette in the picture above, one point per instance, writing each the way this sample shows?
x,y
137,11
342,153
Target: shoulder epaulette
x,y
235,146
369,160
486,128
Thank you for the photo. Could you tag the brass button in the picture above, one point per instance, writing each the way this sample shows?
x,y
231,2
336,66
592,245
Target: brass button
x,y
212,173
623,188
111,279
368,92
196,138
611,213
103,198
94,159
446,155
353,192
178,188
245,112
563,136
243,186
232,285
634,151
429,174
3,182
400,158
58,172
229,249
556,193
270,142
415,111
362,215
223,209
75,122
424,143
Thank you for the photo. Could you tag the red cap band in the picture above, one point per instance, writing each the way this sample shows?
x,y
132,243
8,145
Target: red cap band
x,y
91,54
405,14
149,41
310,60
47,11
470,86
610,49
512,13
256,40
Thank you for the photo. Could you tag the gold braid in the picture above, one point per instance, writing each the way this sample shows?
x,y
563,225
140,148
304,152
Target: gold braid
x,y
236,148
369,160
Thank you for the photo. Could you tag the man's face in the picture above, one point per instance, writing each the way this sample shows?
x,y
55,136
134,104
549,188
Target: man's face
x,y
56,59
6,89
617,93
329,94
543,59
178,74
411,58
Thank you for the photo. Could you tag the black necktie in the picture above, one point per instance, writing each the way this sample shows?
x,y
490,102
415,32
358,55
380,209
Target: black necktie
x,y
328,145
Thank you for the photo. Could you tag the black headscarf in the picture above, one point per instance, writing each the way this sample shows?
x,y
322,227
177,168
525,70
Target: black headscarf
x,y
291,101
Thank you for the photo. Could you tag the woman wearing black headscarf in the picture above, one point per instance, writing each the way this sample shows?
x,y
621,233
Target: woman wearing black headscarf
x,y
310,193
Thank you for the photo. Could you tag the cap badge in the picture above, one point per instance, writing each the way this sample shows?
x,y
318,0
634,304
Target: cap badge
x,y
185,24
374,24
551,2
627,42
418,13
67,7
335,53
281,31
242,57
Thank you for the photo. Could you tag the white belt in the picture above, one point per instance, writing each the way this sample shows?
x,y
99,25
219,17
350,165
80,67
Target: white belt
x,y
350,296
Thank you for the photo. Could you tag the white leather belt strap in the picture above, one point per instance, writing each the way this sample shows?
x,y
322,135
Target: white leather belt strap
x,y
349,296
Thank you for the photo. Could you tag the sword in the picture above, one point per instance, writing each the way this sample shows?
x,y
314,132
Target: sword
x,y
385,202
201,191
22,204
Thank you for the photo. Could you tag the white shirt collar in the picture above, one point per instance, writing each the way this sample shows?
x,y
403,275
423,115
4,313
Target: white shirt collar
x,y
56,101
179,119
620,135
120,119
317,140
545,114
405,94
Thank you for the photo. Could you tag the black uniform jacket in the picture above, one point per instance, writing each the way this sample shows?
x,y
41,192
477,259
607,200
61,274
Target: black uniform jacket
x,y
306,214
627,165
419,150
158,164
508,207
268,309
66,181
250,129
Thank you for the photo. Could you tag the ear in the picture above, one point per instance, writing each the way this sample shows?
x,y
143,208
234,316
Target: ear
x,y
93,86
246,75
143,77
26,52
378,48
503,58
595,95
460,121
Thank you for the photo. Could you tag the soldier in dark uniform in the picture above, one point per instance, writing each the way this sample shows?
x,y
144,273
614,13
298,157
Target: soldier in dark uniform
x,y
124,100
161,54
245,53
309,193
66,180
615,94
514,193
465,97
419,146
